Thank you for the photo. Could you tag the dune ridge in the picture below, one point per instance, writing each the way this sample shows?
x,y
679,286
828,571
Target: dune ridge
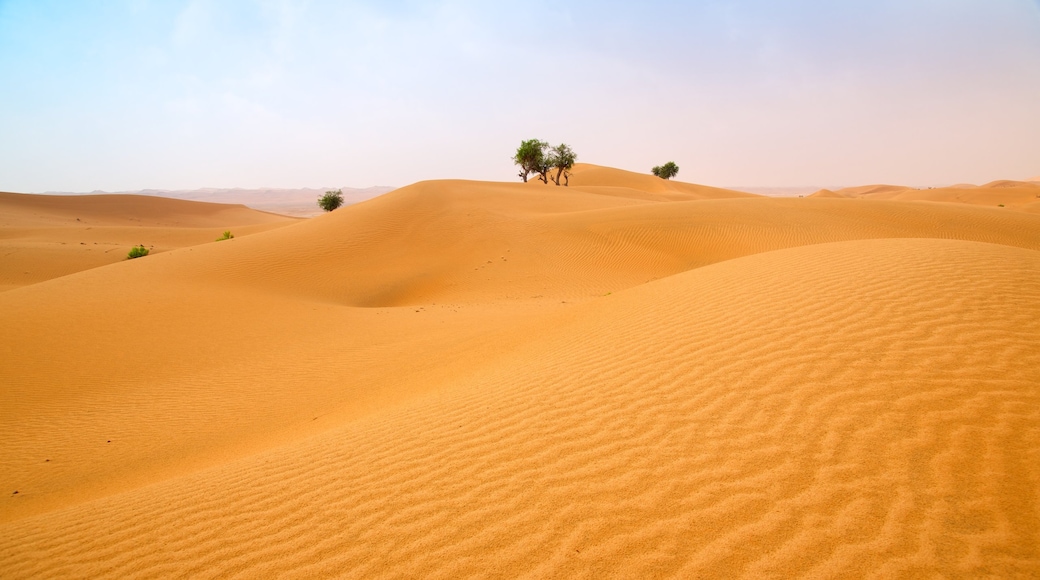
x,y
50,236
1016,195
619,378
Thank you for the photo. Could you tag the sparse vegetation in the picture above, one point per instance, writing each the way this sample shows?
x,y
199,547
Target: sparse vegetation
x,y
530,156
137,252
227,236
535,156
666,171
331,200
562,158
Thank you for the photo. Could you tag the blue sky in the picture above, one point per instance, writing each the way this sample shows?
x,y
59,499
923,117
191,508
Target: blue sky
x,y
120,95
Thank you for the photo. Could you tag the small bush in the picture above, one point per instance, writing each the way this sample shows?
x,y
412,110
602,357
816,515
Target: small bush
x,y
227,236
137,252
331,200
666,171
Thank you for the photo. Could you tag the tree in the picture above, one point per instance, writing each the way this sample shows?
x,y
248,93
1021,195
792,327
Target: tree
x,y
530,156
666,171
543,167
331,200
562,158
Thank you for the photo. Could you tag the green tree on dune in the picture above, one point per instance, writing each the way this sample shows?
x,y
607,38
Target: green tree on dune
x,y
543,167
562,158
530,156
331,200
666,171
535,156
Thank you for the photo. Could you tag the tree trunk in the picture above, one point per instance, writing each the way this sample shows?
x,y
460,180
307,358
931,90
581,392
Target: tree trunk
x,y
556,179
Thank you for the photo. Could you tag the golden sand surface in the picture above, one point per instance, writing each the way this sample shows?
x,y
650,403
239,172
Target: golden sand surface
x,y
624,378
1016,195
49,236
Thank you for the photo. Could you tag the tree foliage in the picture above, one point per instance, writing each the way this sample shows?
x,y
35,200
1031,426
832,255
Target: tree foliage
x,y
331,200
530,156
562,158
535,156
543,167
666,171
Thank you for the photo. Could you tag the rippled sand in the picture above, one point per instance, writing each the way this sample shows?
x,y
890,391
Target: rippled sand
x,y
623,378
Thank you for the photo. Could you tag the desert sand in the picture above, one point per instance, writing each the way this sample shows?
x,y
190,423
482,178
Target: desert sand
x,y
1017,195
48,236
627,377
290,202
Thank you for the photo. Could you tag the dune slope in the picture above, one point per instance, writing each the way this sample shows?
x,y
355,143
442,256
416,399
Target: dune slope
x,y
48,236
844,422
1017,195
474,379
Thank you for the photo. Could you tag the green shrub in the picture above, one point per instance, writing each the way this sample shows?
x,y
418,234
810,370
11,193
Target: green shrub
x,y
666,171
137,252
331,200
227,236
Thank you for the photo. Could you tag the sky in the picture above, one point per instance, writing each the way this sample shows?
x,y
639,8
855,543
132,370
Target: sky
x,y
133,94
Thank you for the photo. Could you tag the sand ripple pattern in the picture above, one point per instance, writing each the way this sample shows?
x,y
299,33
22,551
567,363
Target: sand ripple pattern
x,y
854,409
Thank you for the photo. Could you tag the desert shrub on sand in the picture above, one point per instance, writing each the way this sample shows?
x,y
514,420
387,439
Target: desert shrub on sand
x,y
137,252
666,171
227,236
331,200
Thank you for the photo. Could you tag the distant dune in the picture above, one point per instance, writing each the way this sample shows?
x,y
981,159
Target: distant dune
x,y
827,193
780,191
49,236
1018,195
289,202
627,377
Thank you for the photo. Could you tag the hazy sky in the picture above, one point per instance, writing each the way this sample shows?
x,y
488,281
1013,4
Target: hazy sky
x,y
120,95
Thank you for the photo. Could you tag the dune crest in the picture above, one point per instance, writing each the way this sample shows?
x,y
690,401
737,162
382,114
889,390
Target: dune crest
x,y
641,185
1016,195
826,193
627,377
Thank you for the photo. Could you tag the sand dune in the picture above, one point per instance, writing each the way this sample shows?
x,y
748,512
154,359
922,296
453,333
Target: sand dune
x,y
875,191
291,202
49,236
643,186
627,377
827,193
1018,195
